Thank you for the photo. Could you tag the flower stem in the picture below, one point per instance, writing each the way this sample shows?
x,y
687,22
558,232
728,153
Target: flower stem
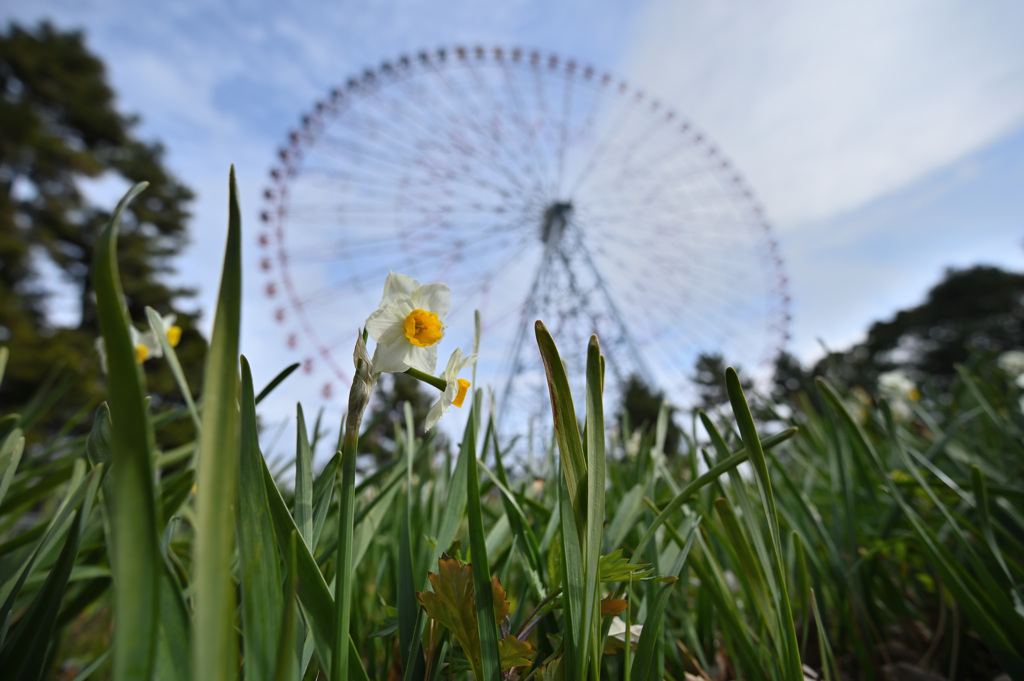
x,y
435,381
358,399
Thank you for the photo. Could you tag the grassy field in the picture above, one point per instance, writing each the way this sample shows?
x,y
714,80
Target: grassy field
x,y
851,539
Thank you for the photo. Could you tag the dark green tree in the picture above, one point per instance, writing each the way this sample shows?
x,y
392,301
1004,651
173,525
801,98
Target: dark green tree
x,y
974,310
60,129
709,379
790,378
640,404
386,416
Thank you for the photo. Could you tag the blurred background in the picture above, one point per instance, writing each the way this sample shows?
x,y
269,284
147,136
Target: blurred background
x,y
883,141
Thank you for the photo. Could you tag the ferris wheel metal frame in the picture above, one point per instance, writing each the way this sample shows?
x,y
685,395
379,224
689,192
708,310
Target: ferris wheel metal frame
x,y
560,229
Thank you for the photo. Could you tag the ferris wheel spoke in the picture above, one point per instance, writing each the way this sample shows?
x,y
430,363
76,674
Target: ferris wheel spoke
x,y
521,170
533,188
610,134
525,147
430,147
527,122
490,154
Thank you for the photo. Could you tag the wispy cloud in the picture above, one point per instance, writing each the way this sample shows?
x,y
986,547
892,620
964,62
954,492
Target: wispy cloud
x,y
826,106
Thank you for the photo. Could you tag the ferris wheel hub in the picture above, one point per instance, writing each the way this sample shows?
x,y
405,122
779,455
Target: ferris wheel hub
x,y
556,219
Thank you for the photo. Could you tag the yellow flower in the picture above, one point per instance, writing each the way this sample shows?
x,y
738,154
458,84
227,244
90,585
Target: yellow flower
x,y
455,388
408,324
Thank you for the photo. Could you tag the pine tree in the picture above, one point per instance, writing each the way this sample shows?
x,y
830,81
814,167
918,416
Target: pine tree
x,y
60,130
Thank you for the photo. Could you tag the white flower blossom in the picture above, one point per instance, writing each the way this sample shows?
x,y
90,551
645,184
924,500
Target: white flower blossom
x,y
617,629
172,330
408,324
1012,362
455,387
145,343
900,391
895,384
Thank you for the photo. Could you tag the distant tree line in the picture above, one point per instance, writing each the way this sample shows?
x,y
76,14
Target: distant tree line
x,y
972,311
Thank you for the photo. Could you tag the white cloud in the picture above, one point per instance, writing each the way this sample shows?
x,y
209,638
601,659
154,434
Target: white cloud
x,y
826,106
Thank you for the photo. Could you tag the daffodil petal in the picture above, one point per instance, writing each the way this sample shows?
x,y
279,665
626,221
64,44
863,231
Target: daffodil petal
x,y
389,358
386,325
434,415
424,359
436,298
398,286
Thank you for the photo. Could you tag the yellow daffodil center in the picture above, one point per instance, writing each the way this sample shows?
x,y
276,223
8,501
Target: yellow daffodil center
x,y
914,395
463,387
174,335
141,353
422,328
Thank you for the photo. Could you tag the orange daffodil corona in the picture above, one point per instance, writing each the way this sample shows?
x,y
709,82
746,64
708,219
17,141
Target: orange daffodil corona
x,y
455,388
407,326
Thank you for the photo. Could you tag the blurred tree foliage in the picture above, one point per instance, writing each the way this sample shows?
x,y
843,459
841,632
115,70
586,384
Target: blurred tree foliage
x,y
709,379
61,133
972,311
386,417
640,404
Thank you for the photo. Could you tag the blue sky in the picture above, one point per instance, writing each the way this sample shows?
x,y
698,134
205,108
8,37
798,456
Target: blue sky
x,y
884,140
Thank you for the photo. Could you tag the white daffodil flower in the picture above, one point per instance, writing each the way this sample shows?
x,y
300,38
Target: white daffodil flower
x,y
895,384
1012,362
408,324
172,330
896,387
146,344
618,630
455,387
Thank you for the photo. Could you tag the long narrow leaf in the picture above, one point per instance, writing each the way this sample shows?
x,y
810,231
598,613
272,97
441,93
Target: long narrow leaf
x,y
258,563
214,646
135,554
486,625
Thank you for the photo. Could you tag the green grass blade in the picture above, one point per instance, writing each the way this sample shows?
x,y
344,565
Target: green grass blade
x,y
134,550
323,489
214,646
595,506
10,456
258,563
573,588
790,650
276,381
303,479
314,595
410,648
157,324
981,498
486,625
26,652
751,569
172,658
453,510
644,663
708,477
567,432
287,665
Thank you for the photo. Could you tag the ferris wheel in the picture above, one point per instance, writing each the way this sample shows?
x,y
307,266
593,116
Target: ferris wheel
x,y
537,188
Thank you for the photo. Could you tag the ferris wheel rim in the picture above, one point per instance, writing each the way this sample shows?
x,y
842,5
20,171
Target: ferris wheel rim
x,y
303,140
